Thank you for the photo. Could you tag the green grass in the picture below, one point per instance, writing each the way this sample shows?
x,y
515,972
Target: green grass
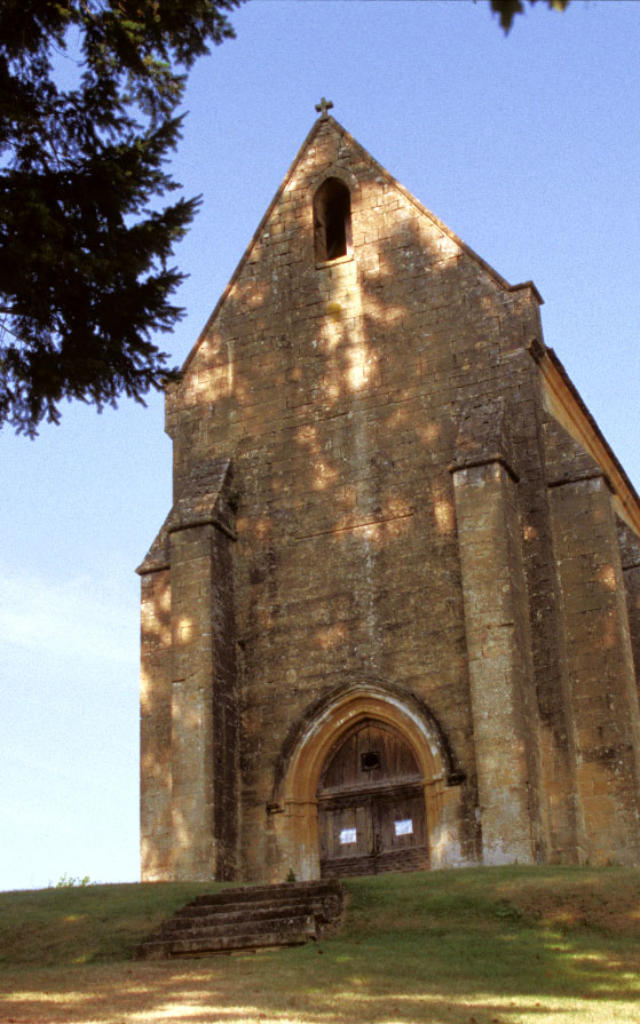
x,y
509,945
517,929
86,924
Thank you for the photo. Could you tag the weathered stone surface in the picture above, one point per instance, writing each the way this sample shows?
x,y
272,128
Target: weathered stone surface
x,y
392,507
500,666
248,918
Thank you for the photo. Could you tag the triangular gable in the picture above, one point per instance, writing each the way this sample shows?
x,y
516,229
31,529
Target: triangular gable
x,y
497,278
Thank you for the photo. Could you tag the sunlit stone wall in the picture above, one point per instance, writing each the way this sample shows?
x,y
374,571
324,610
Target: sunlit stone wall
x,y
388,523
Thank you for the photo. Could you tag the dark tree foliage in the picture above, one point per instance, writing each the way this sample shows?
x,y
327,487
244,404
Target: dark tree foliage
x,y
507,9
85,244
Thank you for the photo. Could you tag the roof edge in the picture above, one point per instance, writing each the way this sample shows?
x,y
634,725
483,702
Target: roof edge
x,y
491,271
497,278
254,238
589,434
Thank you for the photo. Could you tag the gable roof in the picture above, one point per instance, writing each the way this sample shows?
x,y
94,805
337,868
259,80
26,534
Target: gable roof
x,y
380,170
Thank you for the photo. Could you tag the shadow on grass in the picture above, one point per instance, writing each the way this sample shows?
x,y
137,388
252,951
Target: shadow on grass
x,y
337,983
447,948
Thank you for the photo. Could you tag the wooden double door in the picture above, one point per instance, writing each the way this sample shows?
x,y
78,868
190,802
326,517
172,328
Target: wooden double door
x,y
371,808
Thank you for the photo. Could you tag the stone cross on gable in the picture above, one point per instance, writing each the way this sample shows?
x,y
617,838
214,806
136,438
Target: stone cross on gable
x,y
323,107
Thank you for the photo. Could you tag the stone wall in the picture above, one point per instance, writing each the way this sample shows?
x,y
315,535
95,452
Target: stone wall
x,y
400,524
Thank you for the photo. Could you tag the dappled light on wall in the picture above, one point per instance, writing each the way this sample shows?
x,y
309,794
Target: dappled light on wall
x,y
378,514
607,576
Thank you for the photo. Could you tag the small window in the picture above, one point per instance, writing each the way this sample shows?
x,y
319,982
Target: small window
x,y
369,760
347,836
404,827
332,220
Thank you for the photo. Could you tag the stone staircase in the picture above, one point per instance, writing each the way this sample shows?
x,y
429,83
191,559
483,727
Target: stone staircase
x,y
252,917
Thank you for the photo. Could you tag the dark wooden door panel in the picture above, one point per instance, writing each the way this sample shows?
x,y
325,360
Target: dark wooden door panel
x,y
399,822
416,859
348,867
345,832
371,754
385,832
371,809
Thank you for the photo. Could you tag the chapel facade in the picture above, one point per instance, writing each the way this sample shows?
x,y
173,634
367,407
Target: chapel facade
x,y
392,620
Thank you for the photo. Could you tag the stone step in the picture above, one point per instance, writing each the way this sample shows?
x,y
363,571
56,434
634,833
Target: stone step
x,y
264,900
256,893
223,944
256,901
221,915
275,923
251,917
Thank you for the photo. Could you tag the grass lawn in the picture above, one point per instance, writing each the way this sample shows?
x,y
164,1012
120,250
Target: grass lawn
x,y
482,946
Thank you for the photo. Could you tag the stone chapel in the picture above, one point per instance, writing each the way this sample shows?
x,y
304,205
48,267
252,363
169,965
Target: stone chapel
x,y
392,620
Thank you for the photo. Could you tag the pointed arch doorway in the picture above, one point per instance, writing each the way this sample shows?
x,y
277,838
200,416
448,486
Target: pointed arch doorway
x,y
302,797
371,804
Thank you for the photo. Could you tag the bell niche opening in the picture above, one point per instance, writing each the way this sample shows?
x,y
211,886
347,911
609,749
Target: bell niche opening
x,y
332,220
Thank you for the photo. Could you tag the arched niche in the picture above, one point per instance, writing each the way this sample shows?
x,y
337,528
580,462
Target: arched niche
x,y
294,807
332,220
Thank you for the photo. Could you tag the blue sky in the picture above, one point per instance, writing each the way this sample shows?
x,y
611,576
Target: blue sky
x,y
526,146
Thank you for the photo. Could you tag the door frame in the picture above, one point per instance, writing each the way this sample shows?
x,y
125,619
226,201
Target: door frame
x,y
293,809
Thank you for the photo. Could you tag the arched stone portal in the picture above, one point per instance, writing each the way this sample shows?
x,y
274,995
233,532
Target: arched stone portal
x,y
417,760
